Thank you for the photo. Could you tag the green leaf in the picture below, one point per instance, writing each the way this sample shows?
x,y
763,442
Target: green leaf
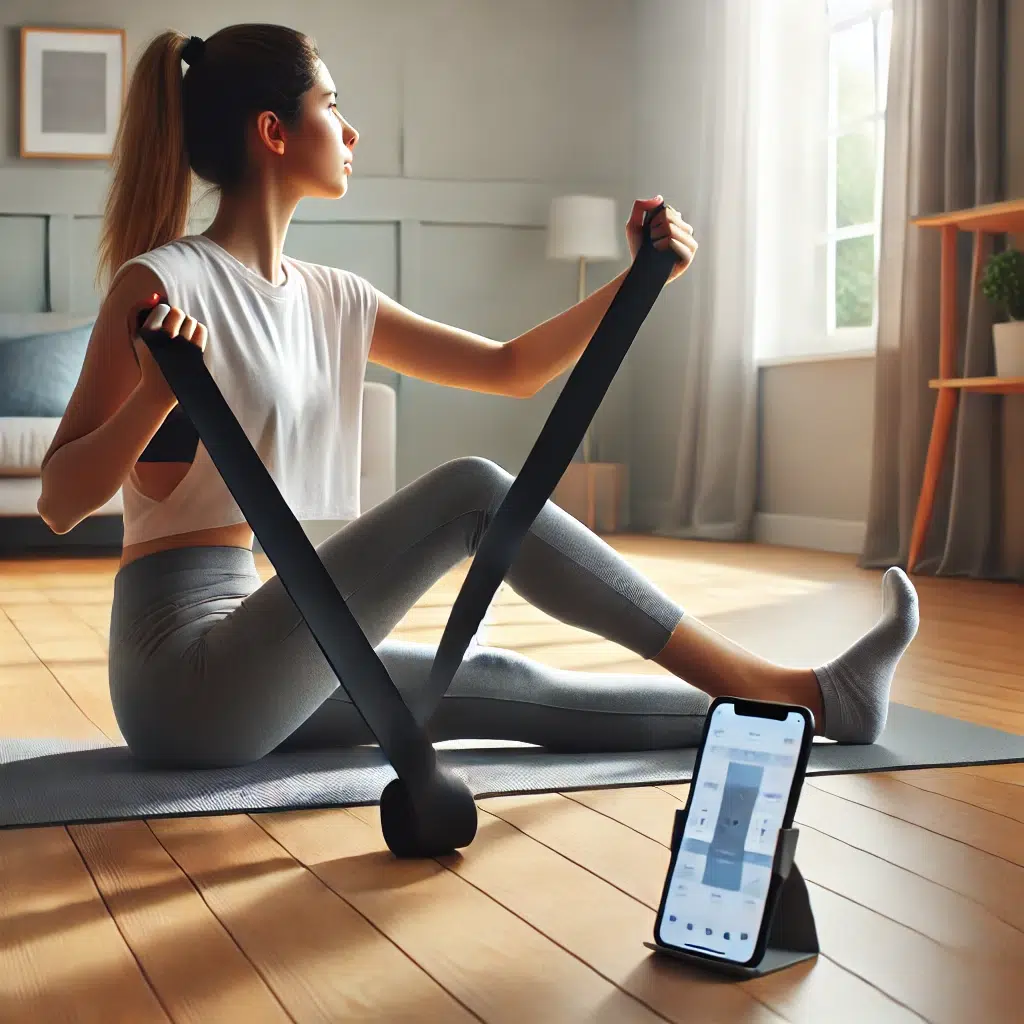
x,y
1002,282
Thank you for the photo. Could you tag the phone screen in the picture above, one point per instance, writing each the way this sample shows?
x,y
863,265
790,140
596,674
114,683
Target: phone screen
x,y
716,897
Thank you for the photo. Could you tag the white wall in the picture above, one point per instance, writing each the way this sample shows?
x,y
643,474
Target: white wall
x,y
816,429
473,113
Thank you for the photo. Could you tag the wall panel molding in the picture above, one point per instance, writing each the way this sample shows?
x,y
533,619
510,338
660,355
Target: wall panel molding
x,y
82,193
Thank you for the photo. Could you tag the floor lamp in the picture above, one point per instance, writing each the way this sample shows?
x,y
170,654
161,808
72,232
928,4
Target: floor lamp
x,y
583,228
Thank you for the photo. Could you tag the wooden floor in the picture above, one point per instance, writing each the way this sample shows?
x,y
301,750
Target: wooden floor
x,y
916,878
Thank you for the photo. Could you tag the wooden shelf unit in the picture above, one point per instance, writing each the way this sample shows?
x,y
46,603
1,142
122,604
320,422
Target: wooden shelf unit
x,y
1005,217
983,385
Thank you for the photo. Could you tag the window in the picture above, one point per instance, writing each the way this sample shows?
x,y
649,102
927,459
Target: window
x,y
858,73
821,139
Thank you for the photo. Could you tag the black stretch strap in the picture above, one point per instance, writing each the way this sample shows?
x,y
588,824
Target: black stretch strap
x,y
175,441
547,462
346,647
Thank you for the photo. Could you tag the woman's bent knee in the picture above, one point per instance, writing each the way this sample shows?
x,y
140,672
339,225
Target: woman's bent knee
x,y
477,477
469,489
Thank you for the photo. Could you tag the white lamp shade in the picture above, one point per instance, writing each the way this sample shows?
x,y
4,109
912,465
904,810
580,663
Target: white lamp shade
x,y
583,226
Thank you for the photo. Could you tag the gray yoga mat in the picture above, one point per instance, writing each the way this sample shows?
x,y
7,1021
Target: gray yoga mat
x,y
61,782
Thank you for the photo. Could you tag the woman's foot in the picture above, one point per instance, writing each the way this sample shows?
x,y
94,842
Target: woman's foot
x,y
855,686
848,696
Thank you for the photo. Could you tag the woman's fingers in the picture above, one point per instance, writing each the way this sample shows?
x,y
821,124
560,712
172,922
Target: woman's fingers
x,y
663,225
677,236
166,318
173,321
157,314
177,324
192,330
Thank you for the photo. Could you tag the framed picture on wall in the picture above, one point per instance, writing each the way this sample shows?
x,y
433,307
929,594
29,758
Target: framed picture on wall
x,y
72,88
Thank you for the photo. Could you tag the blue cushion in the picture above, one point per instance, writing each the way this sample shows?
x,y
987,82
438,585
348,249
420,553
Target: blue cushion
x,y
38,374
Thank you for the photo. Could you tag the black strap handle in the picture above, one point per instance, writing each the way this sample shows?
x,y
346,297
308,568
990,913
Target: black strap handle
x,y
426,811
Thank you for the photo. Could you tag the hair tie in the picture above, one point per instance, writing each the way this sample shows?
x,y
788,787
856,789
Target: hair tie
x,y
193,50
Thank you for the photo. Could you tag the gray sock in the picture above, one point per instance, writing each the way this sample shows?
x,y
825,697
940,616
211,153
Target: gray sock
x,y
855,686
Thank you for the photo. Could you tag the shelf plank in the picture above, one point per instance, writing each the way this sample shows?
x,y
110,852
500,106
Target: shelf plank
x,y
985,385
994,218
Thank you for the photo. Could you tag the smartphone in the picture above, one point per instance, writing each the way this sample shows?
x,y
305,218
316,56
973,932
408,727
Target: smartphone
x,y
746,783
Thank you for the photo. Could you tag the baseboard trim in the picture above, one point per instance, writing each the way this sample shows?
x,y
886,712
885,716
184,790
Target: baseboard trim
x,y
844,536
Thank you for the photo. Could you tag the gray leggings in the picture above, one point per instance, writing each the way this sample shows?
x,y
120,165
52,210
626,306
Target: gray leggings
x,y
210,666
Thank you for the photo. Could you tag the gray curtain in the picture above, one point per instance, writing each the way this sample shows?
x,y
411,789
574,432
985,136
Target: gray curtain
x,y
943,151
713,412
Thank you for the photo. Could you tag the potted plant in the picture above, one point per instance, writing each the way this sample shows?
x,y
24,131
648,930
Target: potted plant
x,y
1003,283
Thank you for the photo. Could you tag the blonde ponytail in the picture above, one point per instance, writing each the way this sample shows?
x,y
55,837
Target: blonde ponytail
x,y
150,192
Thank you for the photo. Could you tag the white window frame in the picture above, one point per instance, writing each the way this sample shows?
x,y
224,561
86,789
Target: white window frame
x,y
847,340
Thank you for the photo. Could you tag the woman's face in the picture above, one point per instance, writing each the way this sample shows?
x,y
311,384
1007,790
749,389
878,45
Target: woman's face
x,y
320,150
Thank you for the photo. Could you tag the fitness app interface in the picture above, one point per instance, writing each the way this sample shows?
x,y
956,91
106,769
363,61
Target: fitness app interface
x,y
720,881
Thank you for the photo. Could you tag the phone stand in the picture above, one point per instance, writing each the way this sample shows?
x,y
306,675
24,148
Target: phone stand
x,y
792,935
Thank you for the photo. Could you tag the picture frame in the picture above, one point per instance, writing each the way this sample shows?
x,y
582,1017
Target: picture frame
x,y
72,89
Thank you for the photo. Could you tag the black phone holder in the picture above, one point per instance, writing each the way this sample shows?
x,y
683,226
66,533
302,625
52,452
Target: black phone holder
x,y
792,935
428,810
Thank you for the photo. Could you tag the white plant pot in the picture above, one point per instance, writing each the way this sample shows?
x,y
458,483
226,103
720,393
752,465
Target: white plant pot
x,y
1008,339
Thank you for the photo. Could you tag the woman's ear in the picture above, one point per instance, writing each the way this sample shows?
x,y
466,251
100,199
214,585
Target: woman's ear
x,y
270,132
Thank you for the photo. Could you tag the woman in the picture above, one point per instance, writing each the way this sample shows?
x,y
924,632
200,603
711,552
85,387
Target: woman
x,y
209,666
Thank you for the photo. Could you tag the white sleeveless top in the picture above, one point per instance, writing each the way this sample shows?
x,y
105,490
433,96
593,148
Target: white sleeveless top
x,y
290,360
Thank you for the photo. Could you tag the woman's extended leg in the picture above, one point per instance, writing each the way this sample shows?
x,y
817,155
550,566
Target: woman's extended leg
x,y
499,694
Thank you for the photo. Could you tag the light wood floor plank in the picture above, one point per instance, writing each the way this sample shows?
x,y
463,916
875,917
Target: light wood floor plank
x,y
87,684
1009,773
62,957
15,596
489,959
943,986
991,882
190,960
322,960
606,928
872,881
96,617
988,794
56,637
32,702
589,918
975,826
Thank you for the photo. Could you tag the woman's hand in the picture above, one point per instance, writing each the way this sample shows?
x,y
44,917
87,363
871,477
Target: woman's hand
x,y
176,323
668,230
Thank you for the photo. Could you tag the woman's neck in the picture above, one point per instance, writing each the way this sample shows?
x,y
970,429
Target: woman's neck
x,y
252,226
